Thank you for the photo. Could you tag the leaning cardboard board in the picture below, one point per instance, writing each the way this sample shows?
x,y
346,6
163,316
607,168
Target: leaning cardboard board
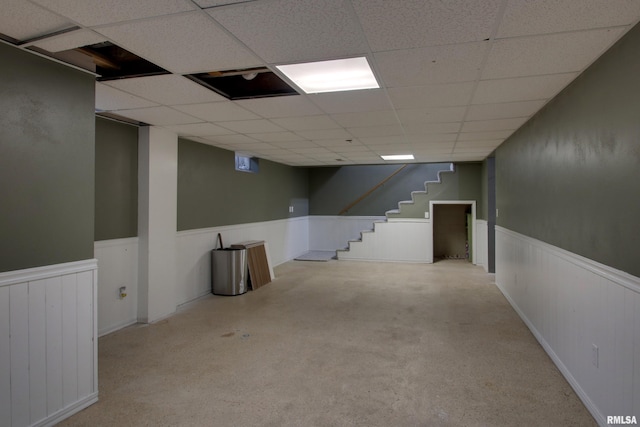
x,y
259,274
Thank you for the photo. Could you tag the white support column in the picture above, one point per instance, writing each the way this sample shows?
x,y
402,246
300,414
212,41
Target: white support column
x,y
157,222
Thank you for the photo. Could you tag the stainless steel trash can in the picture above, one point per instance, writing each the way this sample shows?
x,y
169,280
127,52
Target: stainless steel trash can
x,y
229,271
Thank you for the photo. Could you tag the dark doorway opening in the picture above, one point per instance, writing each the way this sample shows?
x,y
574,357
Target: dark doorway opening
x,y
452,232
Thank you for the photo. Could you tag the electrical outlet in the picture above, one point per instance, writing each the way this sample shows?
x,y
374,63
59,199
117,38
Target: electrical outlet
x,y
426,215
594,355
123,292
290,209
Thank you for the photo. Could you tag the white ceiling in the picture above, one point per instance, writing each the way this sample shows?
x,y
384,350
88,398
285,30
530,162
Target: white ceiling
x,y
457,77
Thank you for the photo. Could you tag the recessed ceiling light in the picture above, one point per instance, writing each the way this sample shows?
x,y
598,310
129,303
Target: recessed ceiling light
x,y
398,157
331,76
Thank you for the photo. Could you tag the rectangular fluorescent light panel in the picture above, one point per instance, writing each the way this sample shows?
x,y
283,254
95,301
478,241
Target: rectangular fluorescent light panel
x,y
331,76
398,157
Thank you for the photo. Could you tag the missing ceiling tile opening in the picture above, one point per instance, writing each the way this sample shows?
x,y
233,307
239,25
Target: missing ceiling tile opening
x,y
109,61
244,84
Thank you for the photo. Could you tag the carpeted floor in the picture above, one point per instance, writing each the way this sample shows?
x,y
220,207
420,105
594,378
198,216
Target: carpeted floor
x,y
337,343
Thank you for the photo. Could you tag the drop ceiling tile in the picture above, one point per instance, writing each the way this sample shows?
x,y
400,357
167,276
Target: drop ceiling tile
x,y
547,54
400,149
110,99
431,115
70,40
365,158
369,118
253,146
504,110
325,134
232,140
433,158
310,150
160,116
190,43
22,20
275,136
294,30
524,17
492,143
338,144
431,65
307,123
521,88
251,126
351,101
445,95
169,89
371,131
372,141
441,149
217,111
431,138
349,149
270,151
97,12
417,23
479,136
431,128
294,144
198,129
280,106
490,125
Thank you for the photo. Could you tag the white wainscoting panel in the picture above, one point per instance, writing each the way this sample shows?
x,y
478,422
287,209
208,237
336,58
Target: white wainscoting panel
x,y
284,240
48,343
572,304
118,260
406,240
482,244
328,233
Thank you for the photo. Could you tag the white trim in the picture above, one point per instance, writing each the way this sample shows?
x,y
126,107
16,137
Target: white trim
x,y
29,274
65,413
473,222
617,276
591,407
540,282
408,220
99,244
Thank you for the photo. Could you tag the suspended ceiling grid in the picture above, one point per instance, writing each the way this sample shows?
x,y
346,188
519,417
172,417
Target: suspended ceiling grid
x,y
457,77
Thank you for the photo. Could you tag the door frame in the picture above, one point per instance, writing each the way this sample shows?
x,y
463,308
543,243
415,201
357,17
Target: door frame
x,y
473,223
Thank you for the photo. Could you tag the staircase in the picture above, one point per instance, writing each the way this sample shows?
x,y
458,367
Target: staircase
x,y
402,236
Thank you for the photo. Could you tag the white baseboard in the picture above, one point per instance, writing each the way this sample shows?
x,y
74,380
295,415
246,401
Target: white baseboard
x,y
68,411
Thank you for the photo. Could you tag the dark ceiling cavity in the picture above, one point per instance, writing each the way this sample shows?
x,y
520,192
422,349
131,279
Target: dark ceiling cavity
x,y
109,61
244,84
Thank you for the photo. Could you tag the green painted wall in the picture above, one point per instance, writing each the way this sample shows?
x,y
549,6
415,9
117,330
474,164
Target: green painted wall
x,y
116,201
212,193
333,188
571,176
46,162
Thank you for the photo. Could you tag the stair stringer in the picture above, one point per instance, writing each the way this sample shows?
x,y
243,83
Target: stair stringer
x,y
400,237
419,203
